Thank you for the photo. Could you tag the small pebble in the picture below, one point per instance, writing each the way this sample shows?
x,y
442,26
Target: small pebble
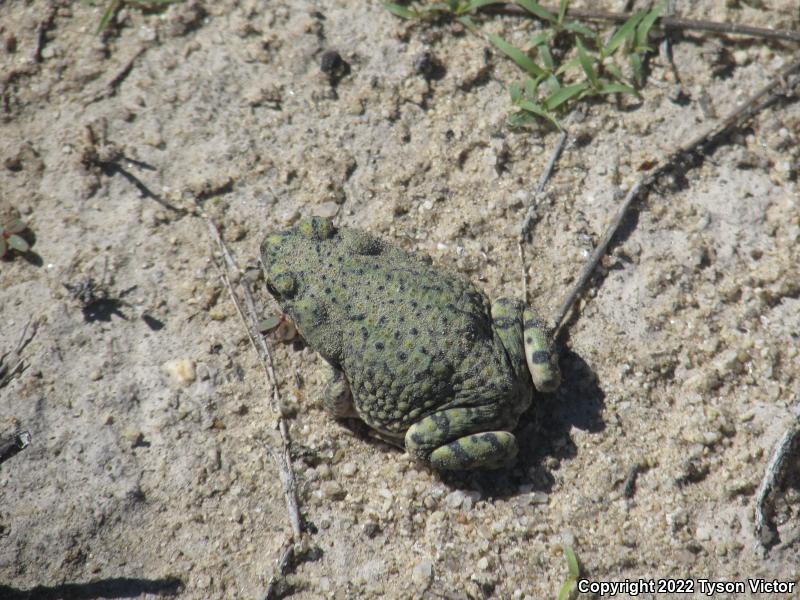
x,y
133,436
422,574
327,210
332,490
348,469
181,370
454,499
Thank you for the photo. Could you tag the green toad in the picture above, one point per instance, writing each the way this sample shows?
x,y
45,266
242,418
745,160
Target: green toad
x,y
417,353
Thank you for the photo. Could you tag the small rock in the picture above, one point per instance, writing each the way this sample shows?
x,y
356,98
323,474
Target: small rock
x,y
422,574
539,498
702,533
334,66
427,65
454,499
181,370
348,469
326,210
567,539
371,529
134,436
95,375
470,499
324,585
332,490
203,581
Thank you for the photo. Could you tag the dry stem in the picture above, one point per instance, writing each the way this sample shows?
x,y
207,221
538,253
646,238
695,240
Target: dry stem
x,y
524,229
283,458
786,79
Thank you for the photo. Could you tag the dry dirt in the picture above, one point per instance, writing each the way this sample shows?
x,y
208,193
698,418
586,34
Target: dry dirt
x,y
147,474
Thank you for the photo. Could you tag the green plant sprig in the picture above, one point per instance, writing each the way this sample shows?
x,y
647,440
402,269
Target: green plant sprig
x,y
10,238
546,92
114,6
570,586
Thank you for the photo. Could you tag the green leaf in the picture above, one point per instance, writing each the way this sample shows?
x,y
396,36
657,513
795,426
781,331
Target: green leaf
x,y
531,85
520,119
537,9
15,226
580,29
467,22
562,10
18,244
552,83
517,55
108,13
540,38
567,92
3,246
400,11
586,63
615,72
538,109
572,563
567,590
647,23
476,4
617,88
636,67
570,64
515,92
623,33
547,58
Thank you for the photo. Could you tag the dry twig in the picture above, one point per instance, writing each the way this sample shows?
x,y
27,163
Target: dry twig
x,y
6,374
284,563
784,82
524,229
283,458
109,89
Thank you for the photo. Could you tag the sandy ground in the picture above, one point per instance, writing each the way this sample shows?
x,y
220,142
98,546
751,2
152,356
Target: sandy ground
x,y
148,474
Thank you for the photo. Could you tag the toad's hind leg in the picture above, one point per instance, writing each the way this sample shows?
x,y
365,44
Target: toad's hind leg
x,y
456,439
540,353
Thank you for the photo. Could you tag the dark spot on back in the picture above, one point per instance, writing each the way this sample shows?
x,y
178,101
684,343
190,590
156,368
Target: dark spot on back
x,y
540,357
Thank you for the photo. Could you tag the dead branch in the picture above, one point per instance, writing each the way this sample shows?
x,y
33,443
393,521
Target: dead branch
x,y
524,229
7,374
781,84
284,563
109,89
282,459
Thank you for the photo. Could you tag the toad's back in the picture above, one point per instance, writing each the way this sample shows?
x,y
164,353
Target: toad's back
x,y
411,339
